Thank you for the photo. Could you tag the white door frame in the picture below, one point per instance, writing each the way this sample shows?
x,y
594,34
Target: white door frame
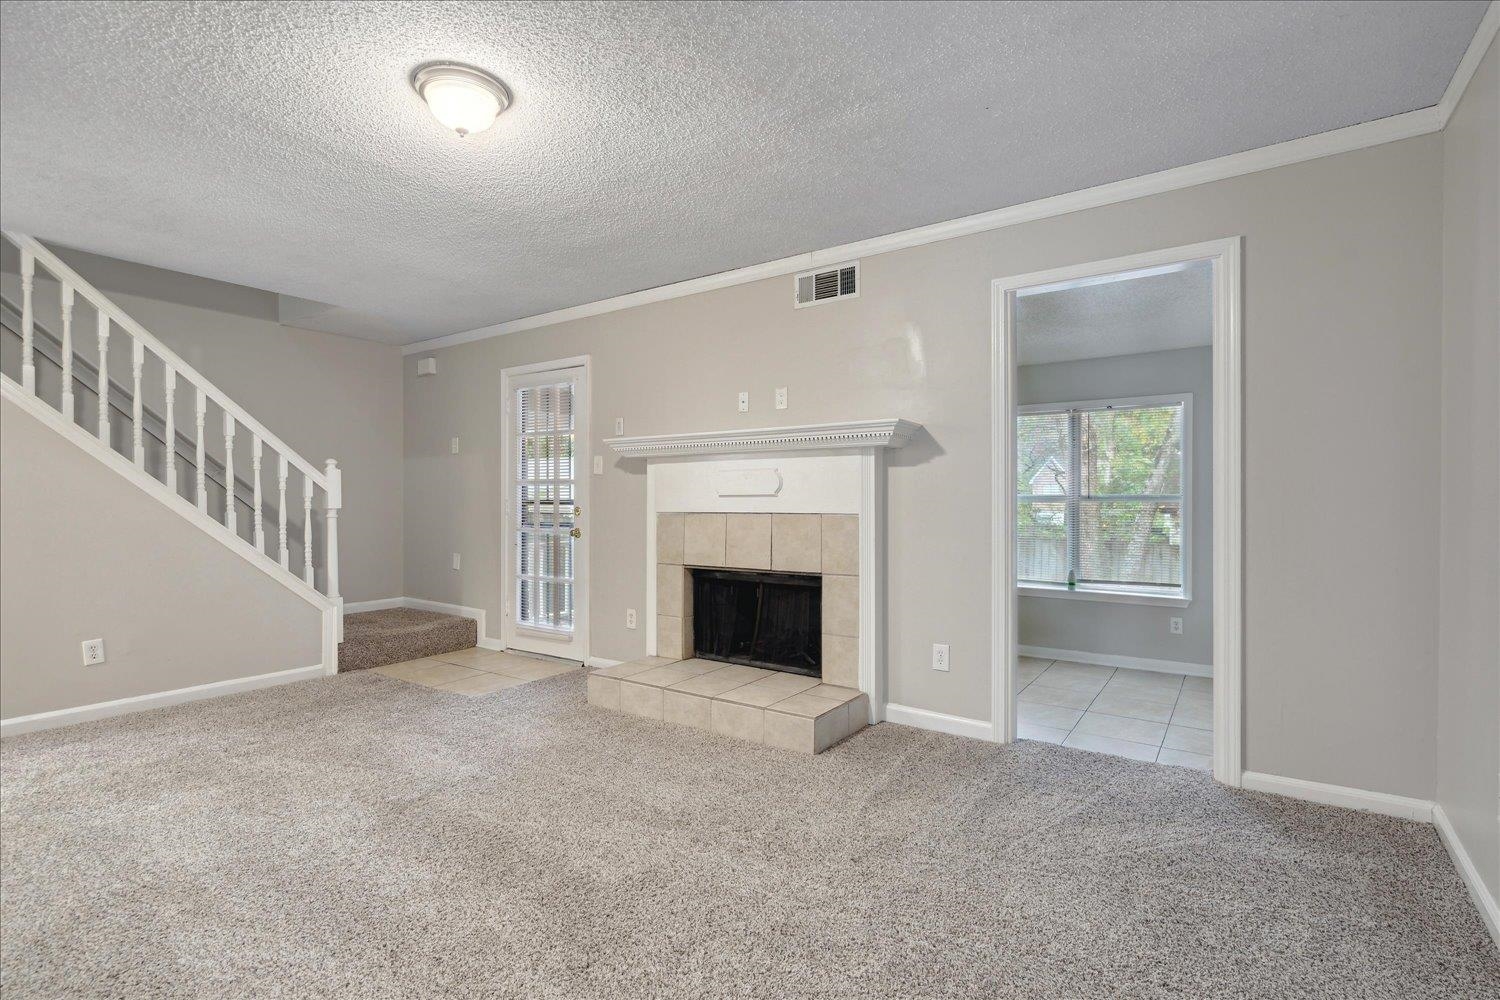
x,y
583,451
1228,498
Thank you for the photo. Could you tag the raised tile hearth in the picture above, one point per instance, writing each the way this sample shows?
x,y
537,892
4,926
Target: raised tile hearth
x,y
777,709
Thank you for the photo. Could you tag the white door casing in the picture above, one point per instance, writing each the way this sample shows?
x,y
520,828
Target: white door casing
x,y
545,469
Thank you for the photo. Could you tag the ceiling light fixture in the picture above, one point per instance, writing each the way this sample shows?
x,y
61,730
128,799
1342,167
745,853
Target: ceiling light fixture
x,y
463,98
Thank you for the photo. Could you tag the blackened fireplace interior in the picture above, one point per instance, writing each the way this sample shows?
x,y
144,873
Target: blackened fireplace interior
x,y
772,620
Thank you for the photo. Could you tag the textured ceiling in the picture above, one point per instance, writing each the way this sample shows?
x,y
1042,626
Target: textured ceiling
x,y
1159,312
278,145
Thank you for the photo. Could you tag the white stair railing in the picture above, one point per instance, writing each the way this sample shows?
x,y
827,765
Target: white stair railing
x,y
143,346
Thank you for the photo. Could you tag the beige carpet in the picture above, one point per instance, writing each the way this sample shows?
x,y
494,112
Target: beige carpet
x,y
395,635
362,837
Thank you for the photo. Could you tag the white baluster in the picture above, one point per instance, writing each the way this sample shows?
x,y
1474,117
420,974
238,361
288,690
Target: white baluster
x,y
137,437
104,377
286,560
230,519
171,430
260,528
28,321
67,352
198,456
307,563
335,501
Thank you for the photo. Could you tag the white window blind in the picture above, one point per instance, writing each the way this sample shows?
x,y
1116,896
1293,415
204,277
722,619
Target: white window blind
x,y
1099,494
545,511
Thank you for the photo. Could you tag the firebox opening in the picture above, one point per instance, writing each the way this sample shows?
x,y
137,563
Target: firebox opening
x,y
772,620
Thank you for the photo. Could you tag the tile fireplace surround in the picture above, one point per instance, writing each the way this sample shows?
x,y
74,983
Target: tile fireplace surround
x,y
806,500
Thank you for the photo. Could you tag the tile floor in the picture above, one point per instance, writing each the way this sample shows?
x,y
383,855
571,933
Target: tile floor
x,y
1141,714
474,671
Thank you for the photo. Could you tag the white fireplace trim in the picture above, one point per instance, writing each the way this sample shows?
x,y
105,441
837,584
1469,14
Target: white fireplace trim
x,y
888,432
860,468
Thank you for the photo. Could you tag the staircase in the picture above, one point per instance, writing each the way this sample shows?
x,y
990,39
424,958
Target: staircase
x,y
165,427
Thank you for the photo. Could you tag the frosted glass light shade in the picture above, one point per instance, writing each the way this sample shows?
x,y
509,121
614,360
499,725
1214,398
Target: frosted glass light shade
x,y
465,99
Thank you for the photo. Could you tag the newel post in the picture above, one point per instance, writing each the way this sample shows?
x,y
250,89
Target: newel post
x,y
28,322
335,502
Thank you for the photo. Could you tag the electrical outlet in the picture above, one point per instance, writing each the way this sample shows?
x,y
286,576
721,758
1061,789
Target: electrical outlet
x,y
598,465
1174,625
940,656
455,560
453,446
781,398
630,617
93,652
744,402
619,425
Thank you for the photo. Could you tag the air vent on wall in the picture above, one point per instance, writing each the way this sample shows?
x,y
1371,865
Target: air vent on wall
x,y
838,282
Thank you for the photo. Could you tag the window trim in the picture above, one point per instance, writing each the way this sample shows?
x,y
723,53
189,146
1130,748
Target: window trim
x,y
1120,595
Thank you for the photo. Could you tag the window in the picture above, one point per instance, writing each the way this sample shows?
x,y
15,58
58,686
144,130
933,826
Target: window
x,y
545,513
1100,497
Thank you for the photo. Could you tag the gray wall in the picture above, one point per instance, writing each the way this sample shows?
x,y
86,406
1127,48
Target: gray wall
x,y
327,396
89,555
1468,635
1134,629
1341,293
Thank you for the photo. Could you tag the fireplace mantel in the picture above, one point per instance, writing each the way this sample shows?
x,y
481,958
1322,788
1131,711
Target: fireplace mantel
x,y
849,434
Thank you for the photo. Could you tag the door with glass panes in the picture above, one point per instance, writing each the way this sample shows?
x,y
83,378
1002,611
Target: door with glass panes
x,y
546,462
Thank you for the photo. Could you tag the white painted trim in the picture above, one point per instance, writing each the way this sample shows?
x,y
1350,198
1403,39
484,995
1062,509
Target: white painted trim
x,y
847,434
872,597
383,604
157,490
1339,795
140,703
1489,909
1228,538
937,722
579,640
1112,660
1101,596
1473,56
1343,140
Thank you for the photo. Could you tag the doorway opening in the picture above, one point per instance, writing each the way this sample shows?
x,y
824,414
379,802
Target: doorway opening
x,y
1116,557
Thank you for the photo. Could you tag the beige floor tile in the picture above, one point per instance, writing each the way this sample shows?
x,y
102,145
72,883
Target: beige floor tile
x,y
769,690
858,710
1193,713
742,722
1043,734
833,692
1062,697
1191,740
673,672
716,682
1054,716
604,691
471,657
526,669
790,732
431,673
1182,758
1130,706
481,684
687,710
1146,685
1117,728
1198,685
805,704
640,699
1104,744
634,667
1029,669
1075,677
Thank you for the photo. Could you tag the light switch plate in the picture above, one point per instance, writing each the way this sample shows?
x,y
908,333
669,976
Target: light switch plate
x,y
619,425
455,560
453,446
781,398
744,402
598,465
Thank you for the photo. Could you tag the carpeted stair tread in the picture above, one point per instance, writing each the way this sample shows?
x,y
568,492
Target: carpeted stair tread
x,y
376,638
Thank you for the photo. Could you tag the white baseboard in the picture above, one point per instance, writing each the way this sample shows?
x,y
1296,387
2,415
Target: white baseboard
x,y
383,604
1340,795
1489,909
1111,660
954,725
140,703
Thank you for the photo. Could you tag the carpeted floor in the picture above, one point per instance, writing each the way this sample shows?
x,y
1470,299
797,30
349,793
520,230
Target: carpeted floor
x,y
362,837
394,635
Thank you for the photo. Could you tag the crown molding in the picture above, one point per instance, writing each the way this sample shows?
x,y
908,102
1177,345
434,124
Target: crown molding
x,y
1469,64
1410,124
888,433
